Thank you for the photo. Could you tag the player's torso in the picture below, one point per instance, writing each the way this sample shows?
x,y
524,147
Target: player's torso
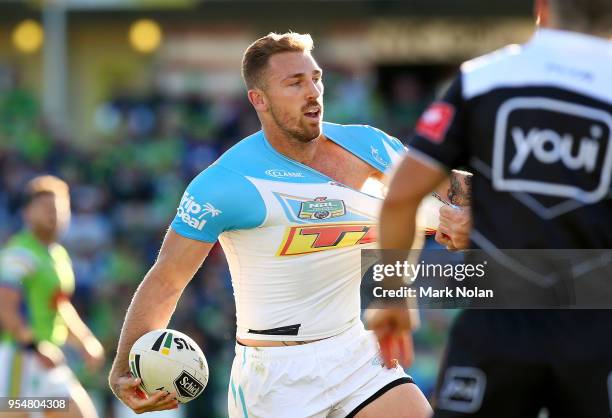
x,y
539,129
297,274
52,277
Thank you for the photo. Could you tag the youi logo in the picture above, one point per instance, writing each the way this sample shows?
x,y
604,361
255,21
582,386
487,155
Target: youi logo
x,y
552,147
193,213
549,147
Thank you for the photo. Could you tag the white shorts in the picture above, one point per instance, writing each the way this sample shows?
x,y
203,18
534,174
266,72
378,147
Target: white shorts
x,y
22,374
335,377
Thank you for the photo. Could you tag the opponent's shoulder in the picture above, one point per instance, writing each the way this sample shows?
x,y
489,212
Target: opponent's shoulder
x,y
369,143
504,67
492,60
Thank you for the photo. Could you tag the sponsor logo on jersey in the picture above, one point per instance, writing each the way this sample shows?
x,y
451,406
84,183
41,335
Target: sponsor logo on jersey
x,y
314,238
193,213
462,390
552,147
283,173
376,155
435,121
321,208
304,210
188,386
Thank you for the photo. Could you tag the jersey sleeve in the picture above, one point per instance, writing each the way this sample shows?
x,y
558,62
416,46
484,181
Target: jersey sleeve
x,y
392,147
440,132
16,264
218,200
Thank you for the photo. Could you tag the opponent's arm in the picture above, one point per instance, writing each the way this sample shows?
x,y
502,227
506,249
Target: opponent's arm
x,y
411,182
11,319
80,335
15,266
455,218
151,308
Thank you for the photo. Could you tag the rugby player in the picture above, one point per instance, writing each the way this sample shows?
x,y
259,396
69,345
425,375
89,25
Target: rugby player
x,y
289,207
37,317
534,124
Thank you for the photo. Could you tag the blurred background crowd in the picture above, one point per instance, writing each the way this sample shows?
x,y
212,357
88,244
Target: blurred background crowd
x,y
128,100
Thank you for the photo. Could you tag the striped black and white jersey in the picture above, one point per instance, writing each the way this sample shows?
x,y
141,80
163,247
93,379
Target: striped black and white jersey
x,y
534,124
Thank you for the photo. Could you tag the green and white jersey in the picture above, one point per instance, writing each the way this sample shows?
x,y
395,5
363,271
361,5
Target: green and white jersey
x,y
43,274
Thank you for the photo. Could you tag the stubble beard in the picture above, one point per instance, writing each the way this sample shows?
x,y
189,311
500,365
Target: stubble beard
x,y
300,133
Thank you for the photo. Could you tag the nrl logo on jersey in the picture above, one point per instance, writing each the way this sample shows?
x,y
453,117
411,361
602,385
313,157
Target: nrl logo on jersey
x,y
321,208
193,213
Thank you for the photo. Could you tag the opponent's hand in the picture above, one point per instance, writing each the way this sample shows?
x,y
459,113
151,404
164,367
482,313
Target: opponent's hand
x,y
49,355
443,239
127,390
392,327
454,229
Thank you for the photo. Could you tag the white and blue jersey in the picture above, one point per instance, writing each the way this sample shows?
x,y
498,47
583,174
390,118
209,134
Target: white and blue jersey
x,y
292,236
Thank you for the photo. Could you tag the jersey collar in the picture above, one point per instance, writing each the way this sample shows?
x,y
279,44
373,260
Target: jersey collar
x,y
574,42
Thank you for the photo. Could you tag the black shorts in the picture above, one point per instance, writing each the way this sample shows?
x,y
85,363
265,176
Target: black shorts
x,y
513,363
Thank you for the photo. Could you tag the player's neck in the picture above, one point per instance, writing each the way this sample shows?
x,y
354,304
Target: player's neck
x,y
302,152
45,238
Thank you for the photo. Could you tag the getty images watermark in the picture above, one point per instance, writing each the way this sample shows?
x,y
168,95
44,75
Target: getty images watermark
x,y
506,279
409,272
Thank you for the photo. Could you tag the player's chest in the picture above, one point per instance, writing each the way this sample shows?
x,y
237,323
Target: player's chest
x,y
343,167
315,203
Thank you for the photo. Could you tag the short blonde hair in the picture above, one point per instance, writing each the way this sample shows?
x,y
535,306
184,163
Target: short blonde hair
x,y
257,55
46,185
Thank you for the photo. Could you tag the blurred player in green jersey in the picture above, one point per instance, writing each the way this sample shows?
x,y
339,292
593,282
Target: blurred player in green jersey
x,y
37,317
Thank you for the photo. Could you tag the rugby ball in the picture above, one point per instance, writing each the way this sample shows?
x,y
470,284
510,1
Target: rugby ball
x,y
169,360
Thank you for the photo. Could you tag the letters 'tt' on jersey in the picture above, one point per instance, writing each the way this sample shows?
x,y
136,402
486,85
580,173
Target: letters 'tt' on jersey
x,y
292,236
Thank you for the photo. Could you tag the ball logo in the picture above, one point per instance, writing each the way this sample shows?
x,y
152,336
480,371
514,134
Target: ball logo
x,y
188,386
554,148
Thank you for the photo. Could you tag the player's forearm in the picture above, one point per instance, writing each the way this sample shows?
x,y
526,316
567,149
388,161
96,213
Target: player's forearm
x,y
79,331
16,327
151,308
11,319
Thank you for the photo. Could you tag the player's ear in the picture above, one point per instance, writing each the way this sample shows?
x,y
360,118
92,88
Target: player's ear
x,y
258,100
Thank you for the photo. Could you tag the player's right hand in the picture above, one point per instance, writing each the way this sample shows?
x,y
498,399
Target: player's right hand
x,y
392,327
127,389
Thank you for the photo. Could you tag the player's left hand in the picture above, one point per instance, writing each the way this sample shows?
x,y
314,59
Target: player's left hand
x,y
392,327
454,229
